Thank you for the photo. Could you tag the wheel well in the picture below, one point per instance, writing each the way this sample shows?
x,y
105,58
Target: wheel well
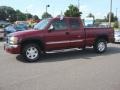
x,y
33,41
105,37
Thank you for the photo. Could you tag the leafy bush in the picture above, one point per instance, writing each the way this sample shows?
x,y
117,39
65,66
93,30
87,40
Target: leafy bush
x,y
116,24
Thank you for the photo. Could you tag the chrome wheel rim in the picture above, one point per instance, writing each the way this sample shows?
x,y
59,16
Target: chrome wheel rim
x,y
32,53
101,46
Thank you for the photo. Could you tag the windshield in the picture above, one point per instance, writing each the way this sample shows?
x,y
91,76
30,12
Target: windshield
x,y
42,24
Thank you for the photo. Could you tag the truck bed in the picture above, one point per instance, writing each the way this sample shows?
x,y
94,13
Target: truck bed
x,y
94,32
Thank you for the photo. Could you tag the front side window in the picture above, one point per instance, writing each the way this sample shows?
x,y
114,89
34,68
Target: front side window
x,y
42,24
59,25
74,24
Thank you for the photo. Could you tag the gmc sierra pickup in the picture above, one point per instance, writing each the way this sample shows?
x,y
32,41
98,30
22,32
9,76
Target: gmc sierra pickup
x,y
55,34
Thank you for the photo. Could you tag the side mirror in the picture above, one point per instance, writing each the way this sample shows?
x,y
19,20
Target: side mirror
x,y
51,28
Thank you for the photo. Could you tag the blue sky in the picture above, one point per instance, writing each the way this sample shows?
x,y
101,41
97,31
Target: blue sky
x,y
98,7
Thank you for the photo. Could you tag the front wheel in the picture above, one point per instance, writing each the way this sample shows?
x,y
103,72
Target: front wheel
x,y
31,52
100,46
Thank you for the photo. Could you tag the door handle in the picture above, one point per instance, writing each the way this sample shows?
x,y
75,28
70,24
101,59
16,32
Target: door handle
x,y
67,33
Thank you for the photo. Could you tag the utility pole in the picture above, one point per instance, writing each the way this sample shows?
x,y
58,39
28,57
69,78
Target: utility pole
x,y
79,5
110,12
116,11
47,7
46,10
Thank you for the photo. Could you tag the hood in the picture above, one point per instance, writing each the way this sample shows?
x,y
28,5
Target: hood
x,y
24,33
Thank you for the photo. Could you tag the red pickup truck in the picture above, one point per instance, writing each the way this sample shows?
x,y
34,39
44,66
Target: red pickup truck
x,y
55,34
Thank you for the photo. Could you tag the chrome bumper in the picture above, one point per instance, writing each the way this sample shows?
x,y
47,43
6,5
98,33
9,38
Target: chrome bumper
x,y
10,46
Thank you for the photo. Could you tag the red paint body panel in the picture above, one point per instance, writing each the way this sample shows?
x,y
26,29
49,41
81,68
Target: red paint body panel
x,y
93,33
68,38
16,50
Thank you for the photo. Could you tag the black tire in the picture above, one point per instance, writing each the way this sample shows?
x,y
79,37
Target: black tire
x,y
100,46
31,52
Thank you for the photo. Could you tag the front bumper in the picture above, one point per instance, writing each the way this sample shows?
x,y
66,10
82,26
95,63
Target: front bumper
x,y
13,49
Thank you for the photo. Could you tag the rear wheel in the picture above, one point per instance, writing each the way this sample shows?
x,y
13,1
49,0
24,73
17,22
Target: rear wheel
x,y
100,46
31,52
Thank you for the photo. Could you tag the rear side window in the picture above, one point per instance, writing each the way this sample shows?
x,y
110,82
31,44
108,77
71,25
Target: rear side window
x,y
74,24
59,25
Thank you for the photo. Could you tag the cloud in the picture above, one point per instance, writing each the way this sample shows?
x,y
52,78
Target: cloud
x,y
29,7
33,10
86,10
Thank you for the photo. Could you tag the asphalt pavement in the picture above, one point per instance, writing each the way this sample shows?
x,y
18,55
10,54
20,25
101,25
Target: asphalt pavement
x,y
73,70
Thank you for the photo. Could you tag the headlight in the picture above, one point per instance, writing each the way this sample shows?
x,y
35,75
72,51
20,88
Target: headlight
x,y
13,40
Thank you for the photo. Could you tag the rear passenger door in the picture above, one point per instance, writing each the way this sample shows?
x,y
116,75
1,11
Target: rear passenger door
x,y
77,34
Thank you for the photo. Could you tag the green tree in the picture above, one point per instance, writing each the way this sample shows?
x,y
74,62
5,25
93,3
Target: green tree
x,y
20,16
116,18
113,18
35,17
73,11
116,24
46,15
7,13
91,15
28,15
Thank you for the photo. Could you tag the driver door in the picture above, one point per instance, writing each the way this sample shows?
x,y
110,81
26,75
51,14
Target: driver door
x,y
58,37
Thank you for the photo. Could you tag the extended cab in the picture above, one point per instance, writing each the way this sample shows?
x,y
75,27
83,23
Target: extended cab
x,y
55,34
